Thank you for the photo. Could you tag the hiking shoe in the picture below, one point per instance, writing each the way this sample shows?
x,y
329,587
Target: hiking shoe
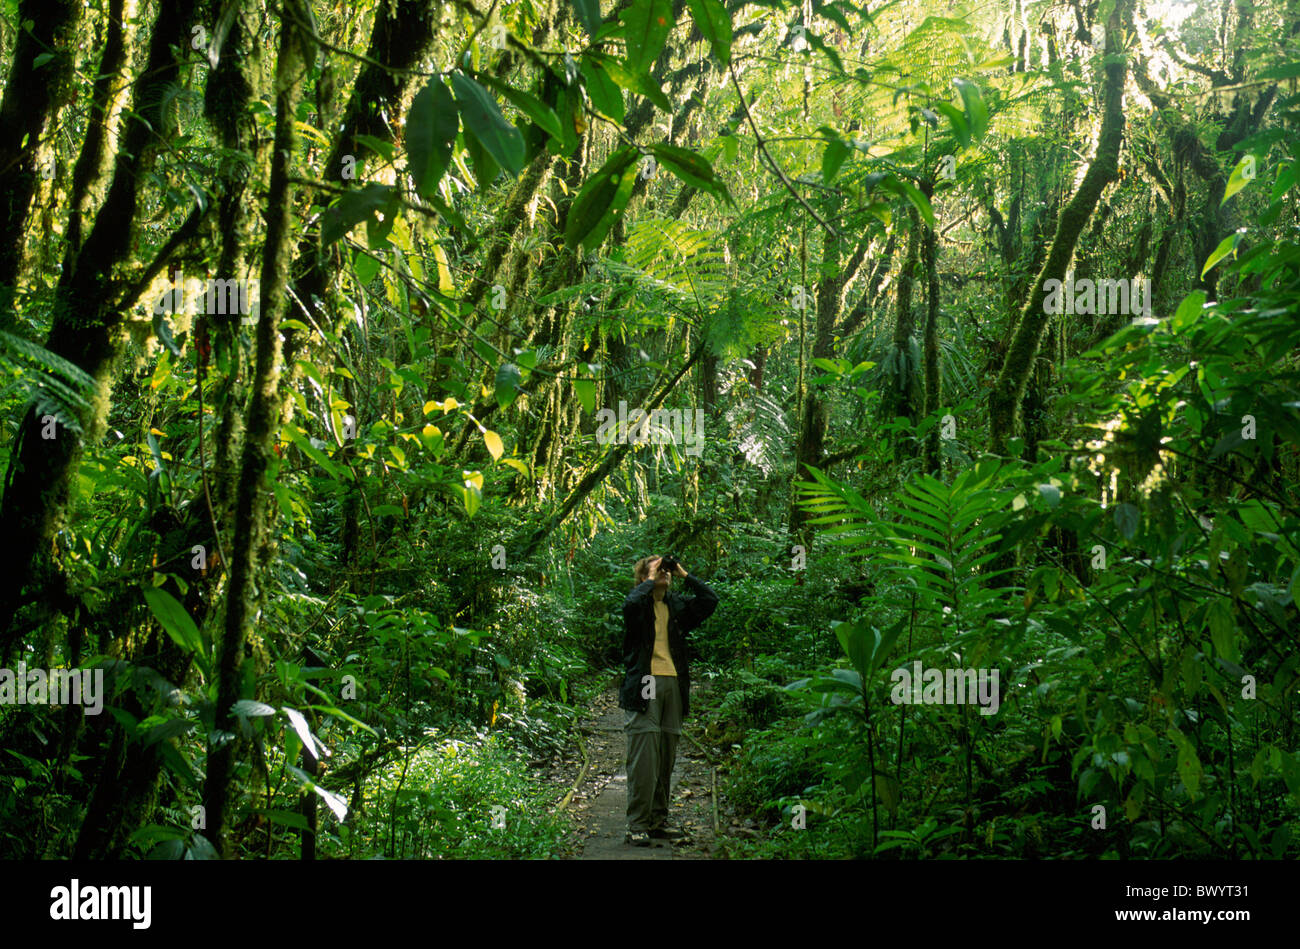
x,y
668,832
640,839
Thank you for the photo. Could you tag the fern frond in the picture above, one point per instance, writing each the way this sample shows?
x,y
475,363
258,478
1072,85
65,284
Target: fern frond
x,y
53,385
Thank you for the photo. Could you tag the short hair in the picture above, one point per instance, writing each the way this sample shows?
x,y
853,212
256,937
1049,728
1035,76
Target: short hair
x,y
641,571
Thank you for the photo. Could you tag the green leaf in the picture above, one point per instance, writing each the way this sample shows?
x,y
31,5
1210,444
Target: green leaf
x,y
832,158
1241,176
339,713
960,127
855,639
1226,247
586,393
887,787
431,127
1189,765
288,818
605,94
908,190
472,497
541,113
311,451
977,113
604,194
633,80
507,383
714,23
1223,632
380,146
353,208
1189,311
483,119
365,266
174,619
692,168
648,24
589,14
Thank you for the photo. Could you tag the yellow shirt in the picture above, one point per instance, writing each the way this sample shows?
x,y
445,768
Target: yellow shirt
x,y
661,663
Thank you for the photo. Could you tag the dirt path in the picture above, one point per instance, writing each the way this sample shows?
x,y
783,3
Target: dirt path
x,y
599,807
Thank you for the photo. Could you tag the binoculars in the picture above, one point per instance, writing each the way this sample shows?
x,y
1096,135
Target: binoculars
x,y
669,564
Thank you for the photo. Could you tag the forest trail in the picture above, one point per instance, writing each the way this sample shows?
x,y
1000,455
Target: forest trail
x,y
599,808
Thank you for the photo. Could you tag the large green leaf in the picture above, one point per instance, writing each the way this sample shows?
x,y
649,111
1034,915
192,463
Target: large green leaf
x,y
507,383
1227,246
605,93
485,122
977,113
712,19
529,105
174,619
908,190
692,168
589,14
1242,175
353,208
648,23
431,127
604,195
311,451
633,80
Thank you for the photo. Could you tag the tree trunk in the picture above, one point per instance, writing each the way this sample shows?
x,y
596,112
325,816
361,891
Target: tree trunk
x,y
816,409
900,400
242,593
86,331
107,95
34,95
1009,388
931,350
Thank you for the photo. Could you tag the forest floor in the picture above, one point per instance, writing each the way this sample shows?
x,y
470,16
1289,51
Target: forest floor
x,y
599,806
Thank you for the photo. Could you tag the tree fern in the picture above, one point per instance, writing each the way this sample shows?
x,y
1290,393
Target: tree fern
x,y
933,549
53,385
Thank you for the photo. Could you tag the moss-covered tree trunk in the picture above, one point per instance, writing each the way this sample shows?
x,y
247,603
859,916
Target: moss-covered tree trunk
x,y
816,409
106,97
35,92
901,397
251,507
1017,367
930,346
86,331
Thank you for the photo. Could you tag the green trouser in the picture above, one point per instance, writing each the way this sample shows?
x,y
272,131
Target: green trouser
x,y
651,752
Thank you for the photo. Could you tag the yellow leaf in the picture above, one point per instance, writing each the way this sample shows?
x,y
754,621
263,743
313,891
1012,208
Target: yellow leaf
x,y
493,442
445,283
430,406
154,431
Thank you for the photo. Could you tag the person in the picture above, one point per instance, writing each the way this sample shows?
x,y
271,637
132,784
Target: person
x,y
656,689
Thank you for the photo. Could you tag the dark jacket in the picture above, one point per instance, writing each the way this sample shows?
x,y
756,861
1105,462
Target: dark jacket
x,y
639,637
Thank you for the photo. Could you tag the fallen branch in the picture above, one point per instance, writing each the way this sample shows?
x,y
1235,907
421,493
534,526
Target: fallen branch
x,y
582,773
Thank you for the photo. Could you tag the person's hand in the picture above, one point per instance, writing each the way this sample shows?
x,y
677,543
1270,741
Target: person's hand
x,y
652,569
681,571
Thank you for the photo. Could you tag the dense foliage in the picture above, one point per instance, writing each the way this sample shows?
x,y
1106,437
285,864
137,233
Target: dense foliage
x,y
353,353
